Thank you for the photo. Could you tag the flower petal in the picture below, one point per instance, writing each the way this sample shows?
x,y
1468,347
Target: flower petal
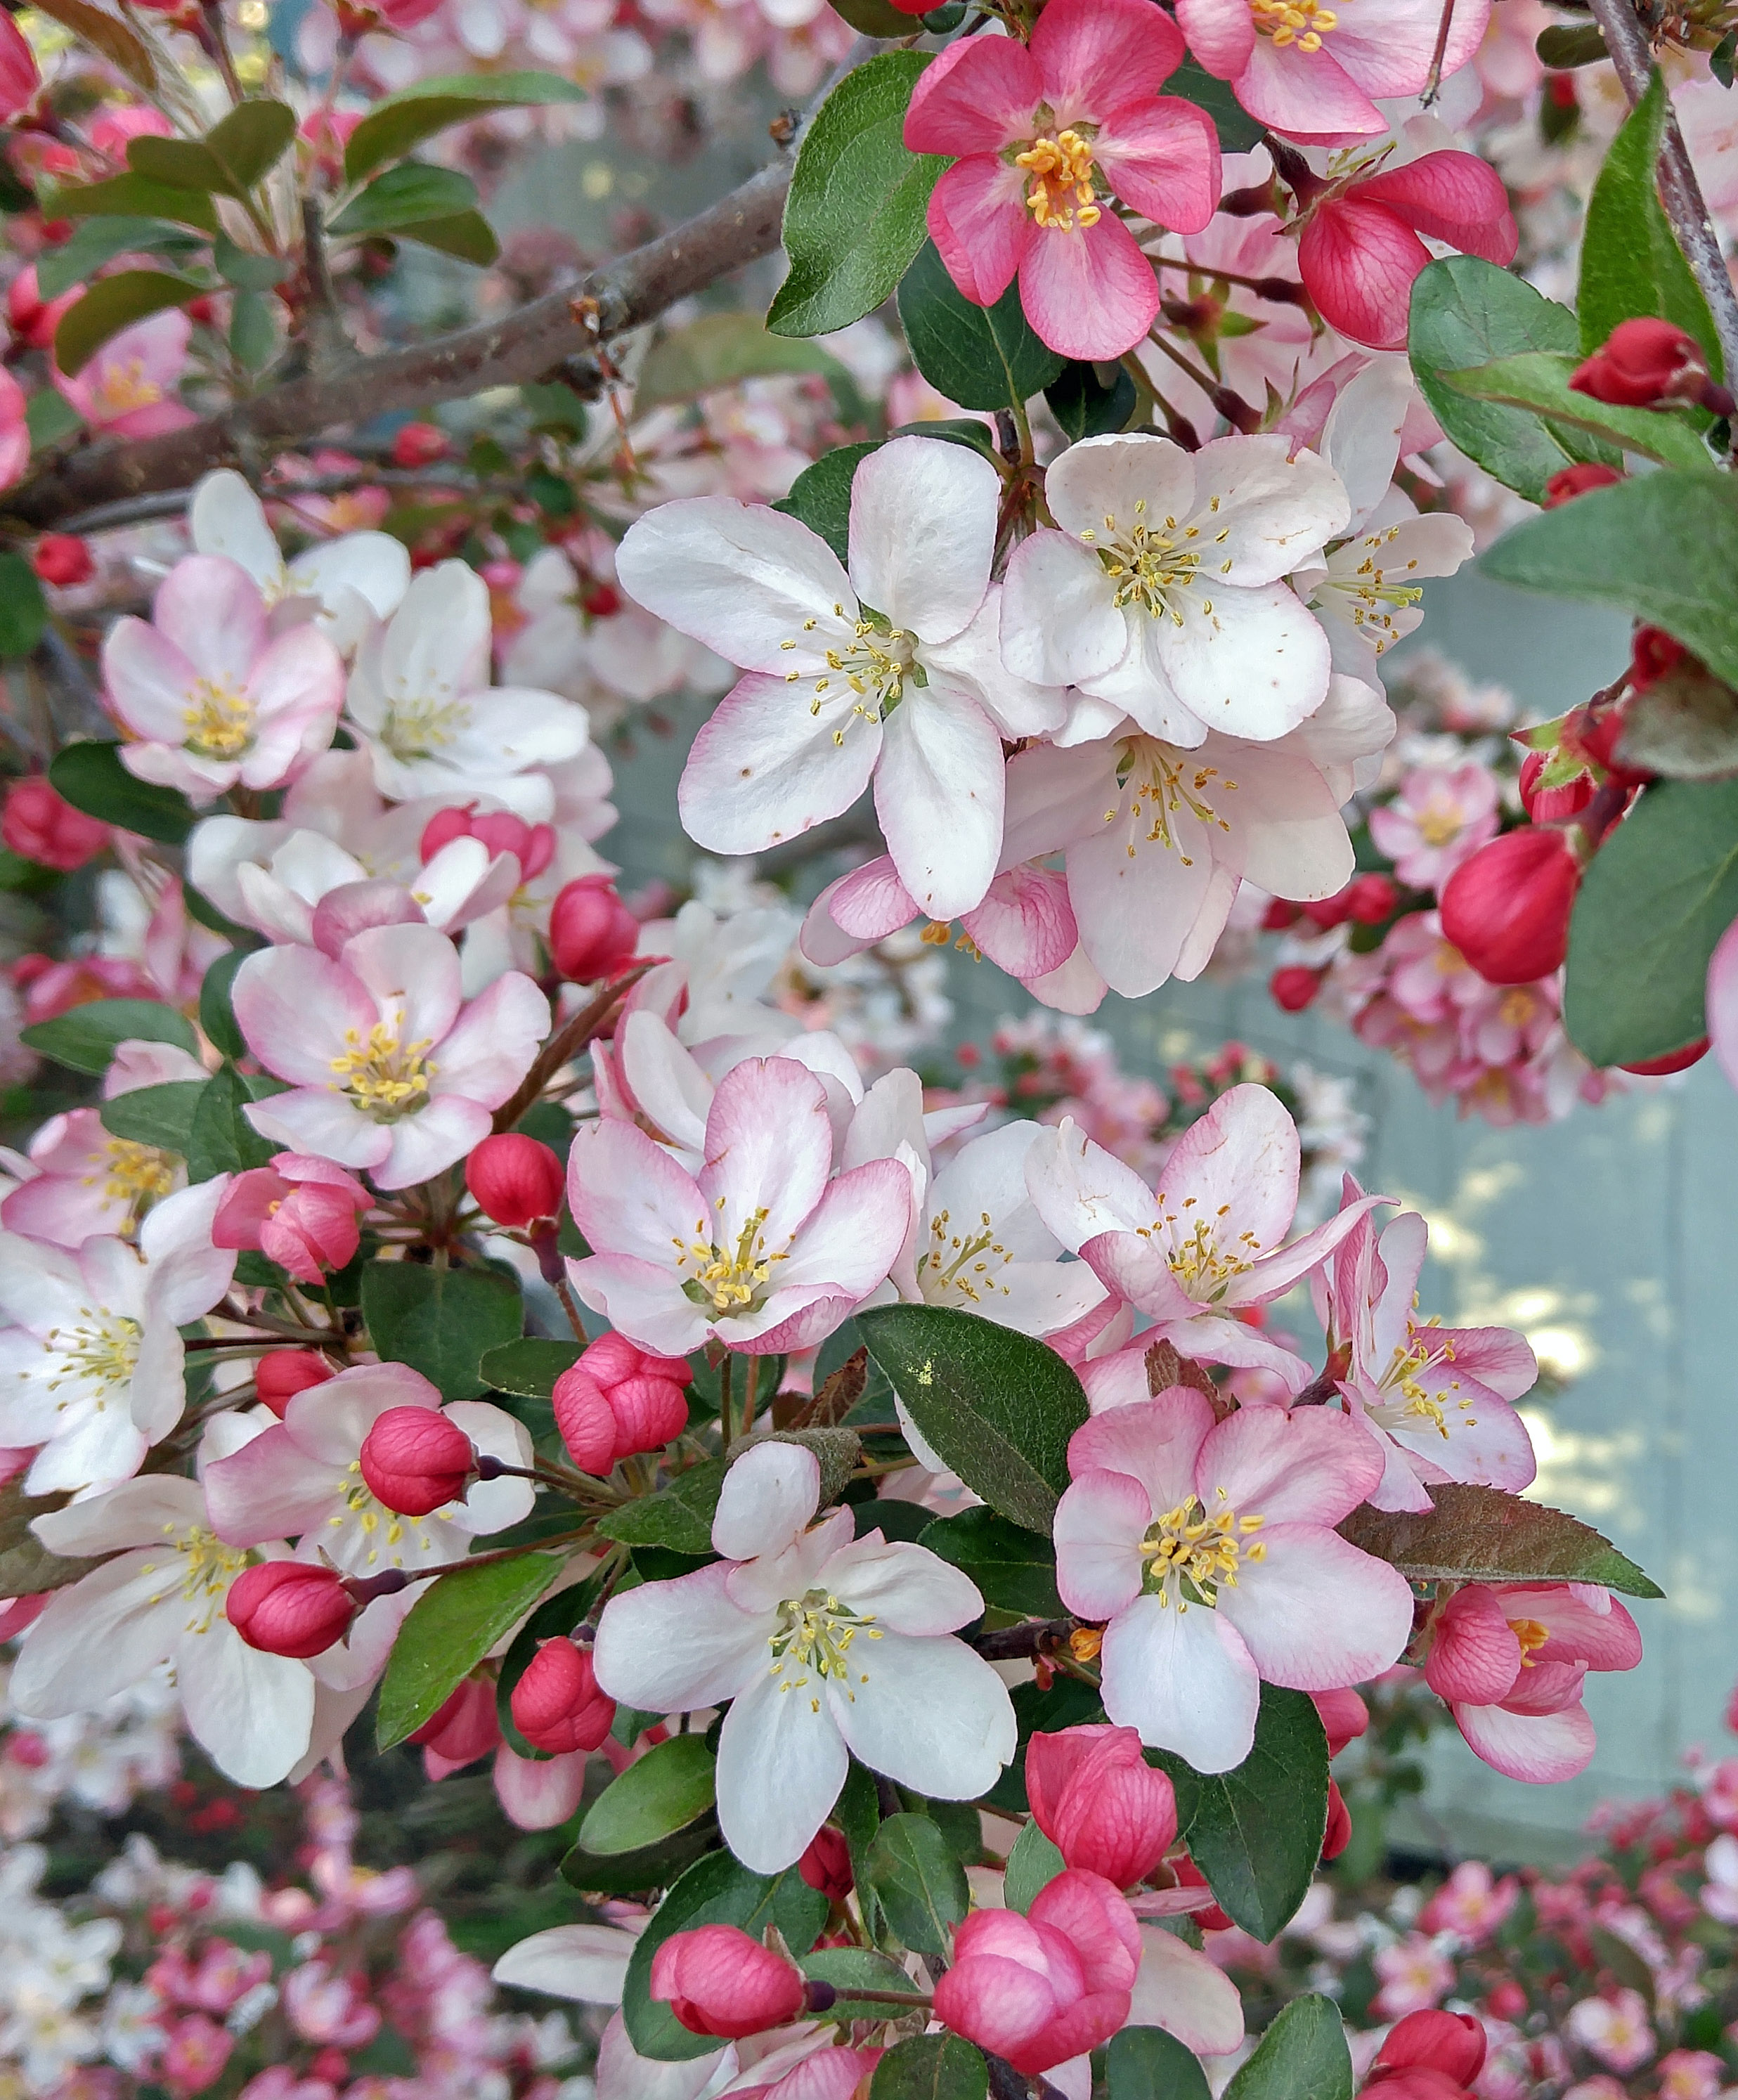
x,y
1183,1679
922,534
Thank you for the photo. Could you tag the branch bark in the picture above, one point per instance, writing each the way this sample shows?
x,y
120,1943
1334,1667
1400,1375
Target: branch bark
x,y
1627,40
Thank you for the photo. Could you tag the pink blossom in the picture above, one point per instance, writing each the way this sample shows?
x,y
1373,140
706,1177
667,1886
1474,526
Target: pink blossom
x,y
1038,132
1471,1903
1317,73
325,2005
18,78
129,387
300,1211
391,1070
15,432
1690,2074
719,1981
1439,817
1242,1513
1414,1974
195,2054
1614,2029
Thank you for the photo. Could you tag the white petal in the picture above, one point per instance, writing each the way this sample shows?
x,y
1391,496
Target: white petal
x,y
938,793
923,532
251,1713
769,1495
780,1764
672,1648
588,1963
1183,1680
930,1715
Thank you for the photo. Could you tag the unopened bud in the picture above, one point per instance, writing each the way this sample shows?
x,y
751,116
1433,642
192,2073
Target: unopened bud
x,y
557,1705
1097,1800
1338,1835
419,444
290,1607
618,1400
1344,1717
1294,987
38,825
593,934
465,1728
718,1981
1581,479
827,1865
1452,2043
1371,898
62,559
515,1180
281,1376
1552,805
1673,1061
1645,362
1507,908
415,1461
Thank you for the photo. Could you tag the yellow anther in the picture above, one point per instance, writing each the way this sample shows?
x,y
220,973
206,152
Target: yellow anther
x,y
219,719
1061,197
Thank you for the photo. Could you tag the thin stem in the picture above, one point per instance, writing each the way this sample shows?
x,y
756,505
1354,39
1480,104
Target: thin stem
x,y
1008,1643
726,1371
569,1306
565,1043
750,1392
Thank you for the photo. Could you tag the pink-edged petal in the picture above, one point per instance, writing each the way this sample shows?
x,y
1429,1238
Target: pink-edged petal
x,y
766,767
669,1647
1157,1442
1317,1613
1221,33
1279,1272
978,221
211,610
1359,260
854,1235
1387,48
643,1299
1255,665
1543,1749
1099,1524
1094,55
296,1006
1722,1001
1579,1629
491,1047
269,1489
1091,293
1162,157
1487,1441
938,793
769,1150
856,911
448,1128
1210,1339
412,971
1455,197
976,97
1026,924
149,680
1304,1465
537,1794
1183,1679
628,1196
1060,622
1187,1993
1235,1169
923,533
1496,1357
1130,1264
1306,95
1475,1655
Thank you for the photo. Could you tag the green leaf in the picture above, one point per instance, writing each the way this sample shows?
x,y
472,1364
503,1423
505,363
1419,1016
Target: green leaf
x,y
441,1321
1303,2056
678,1517
1663,546
221,1140
965,430
467,235
397,122
873,18
1146,2063
450,1629
854,217
230,160
252,331
24,610
27,1567
248,272
404,197
717,351
1014,1569
1478,1534
852,1968
217,1012
92,777
648,1866
160,1116
1085,406
1256,1832
996,1406
931,2067
1032,1865
981,357
84,1039
1722,57
672,1786
1539,380
529,1367
114,303
99,240
1566,45
1683,726
135,196
1466,312
51,418
919,1881
821,494
715,1890
1631,263
117,41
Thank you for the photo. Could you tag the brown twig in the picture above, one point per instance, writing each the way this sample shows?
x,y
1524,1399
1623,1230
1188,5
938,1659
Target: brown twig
x,y
566,1042
1021,1642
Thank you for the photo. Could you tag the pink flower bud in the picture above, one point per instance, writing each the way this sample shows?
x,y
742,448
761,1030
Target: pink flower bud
x,y
515,1180
37,825
290,1608
62,559
1453,2043
419,444
415,1460
827,1865
464,1729
1294,986
1100,1803
1552,805
18,78
1371,898
718,1981
301,1211
1051,1985
1475,1655
1343,1715
557,1705
532,846
1418,2081
1641,362
1581,479
1189,1875
281,1376
1507,908
593,934
618,1400
1338,1835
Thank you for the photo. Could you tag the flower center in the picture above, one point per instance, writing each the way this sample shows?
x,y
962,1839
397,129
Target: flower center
x,y
1060,196
1440,823
873,665
205,1567
813,1639
1374,599
384,1078
953,1266
135,1174
1300,22
420,728
101,1350
219,720
1151,565
1167,781
1190,1552
1531,1634
359,1500
729,1279
1417,1401
120,388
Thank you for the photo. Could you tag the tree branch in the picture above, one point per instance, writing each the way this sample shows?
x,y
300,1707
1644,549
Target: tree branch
x,y
1632,54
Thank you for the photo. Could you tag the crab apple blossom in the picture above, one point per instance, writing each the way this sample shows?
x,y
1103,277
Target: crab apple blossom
x,y
1317,73
390,1069
1162,593
1038,132
160,1599
281,1374
1452,2043
1054,1984
764,1249
618,1400
718,1981
87,1180
304,1475
556,1705
37,825
344,585
1211,1549
1643,363
515,1180
211,696
891,671
1211,1241
827,1865
301,1211
1507,908
130,388
1100,1803
826,1646
94,1360
1440,817
290,1607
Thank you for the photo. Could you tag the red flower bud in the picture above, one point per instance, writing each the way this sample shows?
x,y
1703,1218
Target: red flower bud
x,y
601,600
718,1981
1343,1715
37,825
1506,2000
1371,898
63,559
1641,362
827,1865
515,1180
281,1376
1279,916
1652,653
1452,2043
1507,908
593,934
1581,479
556,1706
465,1728
1552,805
415,1460
1673,1060
290,1608
1100,1803
1189,1875
1338,1835
1295,987
1415,2081
419,444
618,1400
